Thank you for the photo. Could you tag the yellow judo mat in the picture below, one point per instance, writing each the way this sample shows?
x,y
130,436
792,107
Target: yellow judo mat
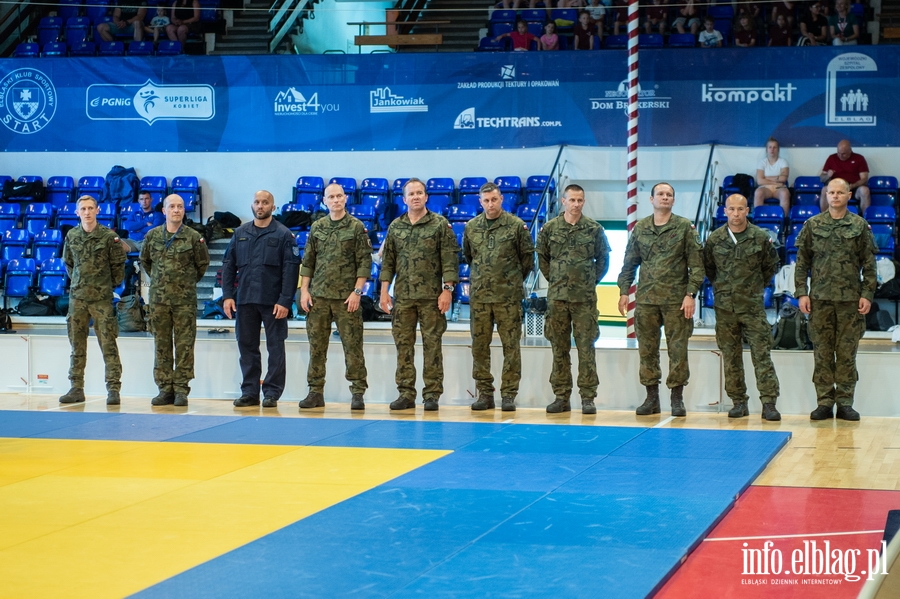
x,y
99,519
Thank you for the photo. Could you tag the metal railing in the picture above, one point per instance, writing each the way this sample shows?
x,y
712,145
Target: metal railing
x,y
709,198
16,24
533,278
285,14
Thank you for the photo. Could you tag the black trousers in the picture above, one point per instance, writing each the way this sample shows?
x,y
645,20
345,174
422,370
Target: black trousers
x,y
246,329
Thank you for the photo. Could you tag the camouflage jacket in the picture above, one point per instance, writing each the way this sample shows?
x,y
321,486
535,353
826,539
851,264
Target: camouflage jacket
x,y
573,258
95,262
500,255
175,263
422,255
835,253
337,253
739,272
670,260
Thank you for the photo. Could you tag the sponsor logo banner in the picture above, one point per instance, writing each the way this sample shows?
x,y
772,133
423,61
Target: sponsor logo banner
x,y
150,102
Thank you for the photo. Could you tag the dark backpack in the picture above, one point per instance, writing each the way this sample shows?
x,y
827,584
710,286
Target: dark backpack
x,y
367,305
21,191
213,310
227,219
878,319
5,322
535,304
744,184
791,329
32,305
130,311
121,187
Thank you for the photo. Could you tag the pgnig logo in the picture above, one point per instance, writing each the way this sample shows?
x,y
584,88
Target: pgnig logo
x,y
27,100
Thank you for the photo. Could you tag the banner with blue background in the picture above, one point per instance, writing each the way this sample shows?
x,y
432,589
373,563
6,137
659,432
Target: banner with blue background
x,y
802,96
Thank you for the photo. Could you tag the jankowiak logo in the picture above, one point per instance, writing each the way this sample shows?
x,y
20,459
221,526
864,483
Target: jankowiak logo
x,y
150,102
27,100
382,100
747,95
467,120
292,102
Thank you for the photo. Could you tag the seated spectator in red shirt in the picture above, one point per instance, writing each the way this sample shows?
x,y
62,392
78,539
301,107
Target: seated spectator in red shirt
x,y
814,27
687,15
780,32
549,41
584,32
744,34
749,9
655,17
785,9
852,168
521,37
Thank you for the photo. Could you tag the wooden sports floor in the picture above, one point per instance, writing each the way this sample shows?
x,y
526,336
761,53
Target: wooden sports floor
x,y
824,488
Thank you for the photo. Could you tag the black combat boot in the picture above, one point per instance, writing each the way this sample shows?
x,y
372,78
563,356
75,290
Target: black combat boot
x,y
678,401
739,410
651,404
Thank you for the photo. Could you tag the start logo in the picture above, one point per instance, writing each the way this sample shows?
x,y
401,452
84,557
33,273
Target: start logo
x,y
27,100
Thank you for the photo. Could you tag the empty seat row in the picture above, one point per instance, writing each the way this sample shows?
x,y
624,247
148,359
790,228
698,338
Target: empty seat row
x,y
20,275
62,189
84,48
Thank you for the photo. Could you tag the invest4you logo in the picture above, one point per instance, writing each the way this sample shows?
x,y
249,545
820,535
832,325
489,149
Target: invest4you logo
x,y
809,562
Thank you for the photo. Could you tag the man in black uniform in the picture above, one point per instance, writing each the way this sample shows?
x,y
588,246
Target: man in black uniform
x,y
265,257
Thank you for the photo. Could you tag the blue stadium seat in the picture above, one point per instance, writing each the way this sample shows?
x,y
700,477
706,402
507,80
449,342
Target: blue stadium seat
x,y
15,244
800,213
806,191
53,278
881,215
768,297
301,238
728,187
471,199
158,187
364,213
112,49
47,244
142,48
49,30
768,214
884,240
471,184
462,292
440,185
313,185
369,288
463,213
297,208
529,213
67,216
83,49
510,202
55,49
534,15
397,189
19,277
509,184
883,190
537,183
616,42
720,11
27,50
168,48
107,212
309,201
68,9
709,299
98,11
9,216
78,30
37,217
378,239
464,272
375,186
502,21
60,190
125,212
188,187
564,14
721,219
649,41
375,271
349,185
682,40
209,11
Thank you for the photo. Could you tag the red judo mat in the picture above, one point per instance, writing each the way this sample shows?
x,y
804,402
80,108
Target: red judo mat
x,y
789,542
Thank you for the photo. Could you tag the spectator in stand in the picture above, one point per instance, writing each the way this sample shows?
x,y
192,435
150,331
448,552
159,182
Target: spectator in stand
x,y
126,21
749,9
744,34
814,27
655,18
549,41
159,23
785,9
572,4
185,19
584,32
521,37
780,32
620,16
598,13
850,167
139,223
772,176
710,37
689,16
843,26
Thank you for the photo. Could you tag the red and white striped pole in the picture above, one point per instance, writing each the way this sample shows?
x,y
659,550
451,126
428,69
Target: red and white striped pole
x,y
631,212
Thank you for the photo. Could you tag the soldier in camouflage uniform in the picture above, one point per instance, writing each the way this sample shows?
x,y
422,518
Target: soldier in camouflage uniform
x,y
667,249
95,260
837,250
500,253
421,250
176,258
573,255
336,264
740,260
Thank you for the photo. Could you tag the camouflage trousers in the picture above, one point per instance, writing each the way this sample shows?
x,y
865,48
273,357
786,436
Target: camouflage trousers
x,y
318,329
563,321
731,329
106,327
835,329
173,326
648,320
508,318
406,314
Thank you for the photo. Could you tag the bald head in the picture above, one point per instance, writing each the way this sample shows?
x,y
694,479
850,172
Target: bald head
x,y
263,206
736,210
844,151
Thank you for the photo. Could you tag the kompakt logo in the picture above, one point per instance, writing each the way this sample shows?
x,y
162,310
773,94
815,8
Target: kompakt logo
x,y
748,95
150,102
383,100
27,100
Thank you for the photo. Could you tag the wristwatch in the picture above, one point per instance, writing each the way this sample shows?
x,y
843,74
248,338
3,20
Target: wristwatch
x,y
449,287
693,295
357,291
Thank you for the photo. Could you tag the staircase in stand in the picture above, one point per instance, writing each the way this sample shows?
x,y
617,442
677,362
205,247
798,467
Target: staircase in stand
x,y
250,32
461,34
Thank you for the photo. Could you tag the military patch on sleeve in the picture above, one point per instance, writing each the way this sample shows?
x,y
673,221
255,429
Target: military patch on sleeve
x,y
116,239
295,250
202,240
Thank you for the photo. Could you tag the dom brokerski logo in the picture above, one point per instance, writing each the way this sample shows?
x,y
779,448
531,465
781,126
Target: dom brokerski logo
x,y
150,102
27,100
467,120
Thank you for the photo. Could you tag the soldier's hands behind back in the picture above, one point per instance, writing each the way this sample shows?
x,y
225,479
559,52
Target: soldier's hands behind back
x,y
864,306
